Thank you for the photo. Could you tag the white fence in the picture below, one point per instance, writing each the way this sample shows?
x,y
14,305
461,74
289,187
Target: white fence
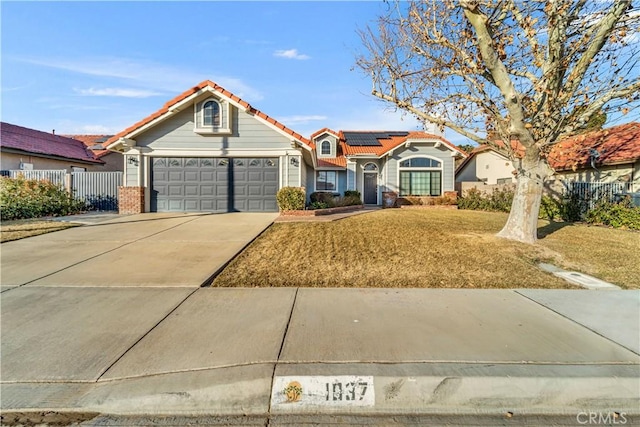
x,y
588,194
54,176
98,189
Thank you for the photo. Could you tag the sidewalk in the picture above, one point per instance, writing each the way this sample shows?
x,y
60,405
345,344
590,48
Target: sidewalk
x,y
287,356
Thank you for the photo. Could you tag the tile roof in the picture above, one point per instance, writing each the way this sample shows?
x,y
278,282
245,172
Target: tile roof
x,y
340,161
44,143
91,141
195,89
615,145
391,141
321,131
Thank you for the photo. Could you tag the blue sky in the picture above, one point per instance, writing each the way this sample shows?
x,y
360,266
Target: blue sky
x,y
99,67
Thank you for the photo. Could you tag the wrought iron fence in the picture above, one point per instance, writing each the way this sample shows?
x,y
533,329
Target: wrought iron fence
x,y
587,194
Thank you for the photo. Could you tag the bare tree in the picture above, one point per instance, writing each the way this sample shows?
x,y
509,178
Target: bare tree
x,y
529,72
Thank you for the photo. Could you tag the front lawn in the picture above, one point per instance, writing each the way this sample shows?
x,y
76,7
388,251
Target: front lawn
x,y
22,228
428,248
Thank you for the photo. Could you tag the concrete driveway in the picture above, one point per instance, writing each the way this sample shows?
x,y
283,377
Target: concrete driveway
x,y
151,250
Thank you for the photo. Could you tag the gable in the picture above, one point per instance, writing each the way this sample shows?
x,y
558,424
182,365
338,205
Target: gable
x,y
246,132
186,101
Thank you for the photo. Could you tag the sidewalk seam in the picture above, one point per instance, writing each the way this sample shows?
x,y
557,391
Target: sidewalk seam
x,y
145,334
275,365
97,255
577,323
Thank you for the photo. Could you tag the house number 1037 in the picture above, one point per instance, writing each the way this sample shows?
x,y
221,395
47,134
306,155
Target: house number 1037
x,y
338,392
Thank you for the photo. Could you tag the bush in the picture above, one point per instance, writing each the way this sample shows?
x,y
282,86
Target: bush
x,y
499,200
323,197
550,208
26,198
318,205
352,193
291,198
622,214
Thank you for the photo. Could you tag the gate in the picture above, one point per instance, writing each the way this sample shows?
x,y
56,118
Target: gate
x,y
98,189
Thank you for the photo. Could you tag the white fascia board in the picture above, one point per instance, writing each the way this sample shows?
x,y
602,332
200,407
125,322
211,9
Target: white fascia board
x,y
326,133
362,156
121,142
180,106
436,143
208,152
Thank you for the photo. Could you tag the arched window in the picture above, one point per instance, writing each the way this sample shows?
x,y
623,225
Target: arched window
x,y
370,167
325,148
211,114
420,176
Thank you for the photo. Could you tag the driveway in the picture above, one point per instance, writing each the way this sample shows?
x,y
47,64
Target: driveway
x,y
151,250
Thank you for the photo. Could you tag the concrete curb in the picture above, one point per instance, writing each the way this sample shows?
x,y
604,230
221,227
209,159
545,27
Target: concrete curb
x,y
407,393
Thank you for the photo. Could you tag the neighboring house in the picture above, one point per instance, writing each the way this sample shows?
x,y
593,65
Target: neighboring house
x,y
25,149
208,150
607,155
486,164
112,160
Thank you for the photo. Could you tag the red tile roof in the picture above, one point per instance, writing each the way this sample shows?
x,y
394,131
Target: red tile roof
x,y
321,131
615,145
44,143
340,161
390,143
91,141
195,89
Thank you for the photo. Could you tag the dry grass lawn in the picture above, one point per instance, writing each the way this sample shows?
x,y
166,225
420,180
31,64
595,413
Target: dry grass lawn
x,y
428,248
19,229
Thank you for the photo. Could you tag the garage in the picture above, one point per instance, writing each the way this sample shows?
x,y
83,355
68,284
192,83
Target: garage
x,y
180,184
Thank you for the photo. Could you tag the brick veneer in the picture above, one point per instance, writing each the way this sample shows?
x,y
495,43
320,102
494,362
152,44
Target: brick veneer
x,y
130,200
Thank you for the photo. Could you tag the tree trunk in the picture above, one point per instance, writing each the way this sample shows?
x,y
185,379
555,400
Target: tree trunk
x,y
522,224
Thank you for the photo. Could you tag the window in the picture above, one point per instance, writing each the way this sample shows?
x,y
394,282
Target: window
x,y
370,167
420,162
325,149
211,114
420,183
504,181
420,176
326,181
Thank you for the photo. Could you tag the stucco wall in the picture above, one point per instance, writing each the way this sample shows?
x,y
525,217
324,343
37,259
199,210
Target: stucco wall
x,y
11,161
487,166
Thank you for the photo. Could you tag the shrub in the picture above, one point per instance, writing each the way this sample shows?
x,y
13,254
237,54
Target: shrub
x,y
622,214
26,198
550,208
291,198
352,193
318,205
499,200
320,196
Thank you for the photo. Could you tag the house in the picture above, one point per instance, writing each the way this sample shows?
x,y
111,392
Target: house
x,y
25,149
112,159
486,164
208,150
607,155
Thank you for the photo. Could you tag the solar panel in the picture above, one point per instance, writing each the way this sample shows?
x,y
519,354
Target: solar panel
x,y
369,138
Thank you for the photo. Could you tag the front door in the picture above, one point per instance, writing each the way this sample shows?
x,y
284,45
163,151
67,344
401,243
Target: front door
x,y
370,189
